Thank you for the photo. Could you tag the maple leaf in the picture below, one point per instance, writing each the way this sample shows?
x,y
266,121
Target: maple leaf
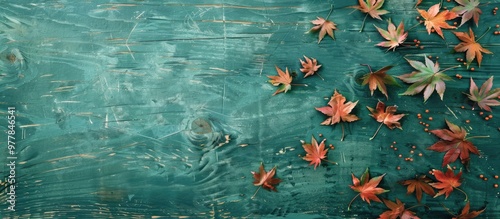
x,y
379,79
454,143
309,66
367,187
396,36
397,211
472,48
465,214
337,111
485,96
283,81
418,185
371,7
468,9
437,20
315,152
324,27
427,76
265,180
447,182
386,117
418,3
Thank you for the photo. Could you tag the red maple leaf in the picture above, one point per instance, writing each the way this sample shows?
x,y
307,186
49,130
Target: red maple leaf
x,y
465,214
397,211
484,97
418,185
385,116
315,152
283,81
309,66
454,143
367,187
324,27
437,20
447,182
265,180
337,111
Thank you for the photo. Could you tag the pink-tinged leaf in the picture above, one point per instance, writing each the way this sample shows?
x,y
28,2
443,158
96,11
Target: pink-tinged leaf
x,y
485,97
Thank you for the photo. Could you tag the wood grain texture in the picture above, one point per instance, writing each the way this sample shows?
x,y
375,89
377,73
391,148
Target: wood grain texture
x,y
162,108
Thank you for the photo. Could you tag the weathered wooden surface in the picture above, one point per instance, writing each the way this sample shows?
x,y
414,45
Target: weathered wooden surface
x,y
124,108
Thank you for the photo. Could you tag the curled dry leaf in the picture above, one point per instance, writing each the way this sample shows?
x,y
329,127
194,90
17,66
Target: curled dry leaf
x,y
309,66
367,187
454,143
472,48
437,20
324,27
465,214
485,97
447,182
395,36
427,76
468,9
282,81
418,185
397,211
315,152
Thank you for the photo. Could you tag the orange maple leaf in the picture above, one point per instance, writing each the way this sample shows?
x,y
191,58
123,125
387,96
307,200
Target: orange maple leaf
x,y
447,182
309,66
397,211
379,79
337,111
367,187
315,152
265,180
472,48
418,185
325,26
437,20
385,116
465,214
454,143
283,81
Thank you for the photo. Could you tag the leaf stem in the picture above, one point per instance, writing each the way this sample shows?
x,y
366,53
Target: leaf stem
x,y
416,25
480,136
253,196
305,85
447,209
342,124
363,24
329,13
418,206
466,197
320,76
376,132
349,206
489,28
446,69
369,67
330,161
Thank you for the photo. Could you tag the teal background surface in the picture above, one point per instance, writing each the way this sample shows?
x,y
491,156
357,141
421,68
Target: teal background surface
x,y
123,108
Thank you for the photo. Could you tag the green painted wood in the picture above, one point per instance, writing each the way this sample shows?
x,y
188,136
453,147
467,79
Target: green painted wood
x,y
123,109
